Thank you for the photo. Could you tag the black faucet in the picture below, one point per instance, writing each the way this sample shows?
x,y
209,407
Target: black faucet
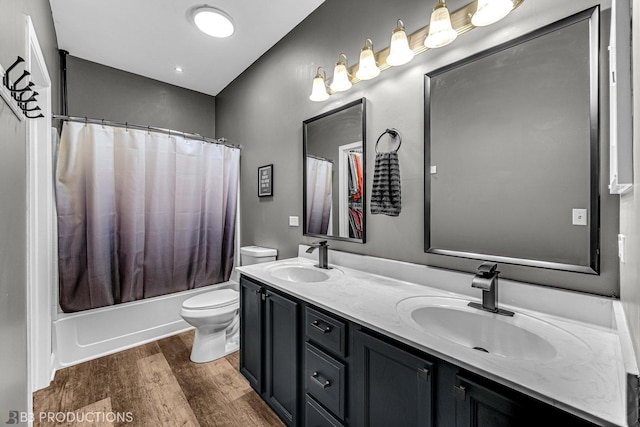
x,y
487,279
323,253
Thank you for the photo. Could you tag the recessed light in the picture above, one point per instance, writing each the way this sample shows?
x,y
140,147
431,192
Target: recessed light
x,y
213,22
179,69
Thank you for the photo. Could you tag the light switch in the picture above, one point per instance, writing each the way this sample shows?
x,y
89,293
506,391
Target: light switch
x,y
293,221
434,170
579,217
622,239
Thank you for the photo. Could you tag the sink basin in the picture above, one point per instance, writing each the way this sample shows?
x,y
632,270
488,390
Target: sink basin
x,y
519,337
300,273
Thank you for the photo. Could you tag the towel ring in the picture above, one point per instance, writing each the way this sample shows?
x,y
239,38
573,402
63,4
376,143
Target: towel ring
x,y
394,134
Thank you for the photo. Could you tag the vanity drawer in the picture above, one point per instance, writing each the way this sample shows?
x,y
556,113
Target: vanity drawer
x,y
324,379
317,416
326,331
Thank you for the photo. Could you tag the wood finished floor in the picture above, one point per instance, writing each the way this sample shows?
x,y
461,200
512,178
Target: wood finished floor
x,y
159,386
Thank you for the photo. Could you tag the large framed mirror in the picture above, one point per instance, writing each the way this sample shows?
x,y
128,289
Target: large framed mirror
x,y
511,151
334,173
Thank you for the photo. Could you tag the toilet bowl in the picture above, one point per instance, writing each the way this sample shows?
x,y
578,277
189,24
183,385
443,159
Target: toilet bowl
x,y
215,316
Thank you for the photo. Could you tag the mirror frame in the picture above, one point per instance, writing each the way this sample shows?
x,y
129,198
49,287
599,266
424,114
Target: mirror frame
x,y
592,15
363,103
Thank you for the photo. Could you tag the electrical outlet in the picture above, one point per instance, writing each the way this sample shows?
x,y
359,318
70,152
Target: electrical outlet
x,y
294,221
579,217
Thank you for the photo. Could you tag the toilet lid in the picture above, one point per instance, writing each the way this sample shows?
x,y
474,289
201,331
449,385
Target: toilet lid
x,y
219,298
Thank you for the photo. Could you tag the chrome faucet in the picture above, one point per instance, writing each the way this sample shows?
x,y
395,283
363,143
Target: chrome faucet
x,y
323,253
487,279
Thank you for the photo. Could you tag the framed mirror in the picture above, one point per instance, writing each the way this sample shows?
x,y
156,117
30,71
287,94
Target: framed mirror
x,y
511,151
334,166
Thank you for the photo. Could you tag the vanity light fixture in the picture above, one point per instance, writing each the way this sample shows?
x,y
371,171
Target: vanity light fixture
x,y
319,88
399,51
491,11
213,22
368,69
441,33
341,81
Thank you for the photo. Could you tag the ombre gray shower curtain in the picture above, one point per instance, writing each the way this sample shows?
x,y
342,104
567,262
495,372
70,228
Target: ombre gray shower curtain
x,y
141,214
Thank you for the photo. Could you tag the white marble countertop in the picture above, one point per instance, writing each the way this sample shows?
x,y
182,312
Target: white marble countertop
x,y
587,377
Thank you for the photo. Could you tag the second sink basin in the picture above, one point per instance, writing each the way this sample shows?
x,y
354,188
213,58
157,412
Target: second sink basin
x,y
301,273
520,337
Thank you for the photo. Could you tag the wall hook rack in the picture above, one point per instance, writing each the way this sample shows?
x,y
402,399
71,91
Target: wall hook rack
x,y
16,97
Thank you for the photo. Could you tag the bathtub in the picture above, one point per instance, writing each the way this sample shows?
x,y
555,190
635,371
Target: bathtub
x,y
90,334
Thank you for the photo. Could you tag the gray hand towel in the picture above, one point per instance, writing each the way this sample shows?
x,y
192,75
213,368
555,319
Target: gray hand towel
x,y
385,194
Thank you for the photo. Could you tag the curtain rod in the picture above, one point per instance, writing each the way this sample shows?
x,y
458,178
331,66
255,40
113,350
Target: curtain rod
x,y
313,156
195,136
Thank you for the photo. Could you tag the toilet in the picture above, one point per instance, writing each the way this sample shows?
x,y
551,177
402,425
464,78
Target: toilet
x,y
215,314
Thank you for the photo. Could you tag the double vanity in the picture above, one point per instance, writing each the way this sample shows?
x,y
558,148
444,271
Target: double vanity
x,y
372,342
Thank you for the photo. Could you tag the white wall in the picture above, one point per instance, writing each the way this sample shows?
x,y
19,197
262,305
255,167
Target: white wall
x,y
630,205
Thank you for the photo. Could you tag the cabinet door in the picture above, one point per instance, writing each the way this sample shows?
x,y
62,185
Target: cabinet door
x,y
251,337
281,357
394,388
479,406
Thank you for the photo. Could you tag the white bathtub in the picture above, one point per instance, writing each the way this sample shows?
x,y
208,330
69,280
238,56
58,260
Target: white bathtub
x,y
90,334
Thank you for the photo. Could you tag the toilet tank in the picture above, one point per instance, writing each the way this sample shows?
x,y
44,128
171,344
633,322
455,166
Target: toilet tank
x,y
256,255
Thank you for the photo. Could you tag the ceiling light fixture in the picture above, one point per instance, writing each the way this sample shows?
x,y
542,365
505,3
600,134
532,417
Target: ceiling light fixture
x,y
490,11
441,33
213,22
179,69
368,68
399,51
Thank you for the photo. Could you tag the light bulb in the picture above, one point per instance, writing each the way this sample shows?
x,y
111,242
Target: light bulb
x,y
319,88
490,11
441,33
367,69
341,80
399,50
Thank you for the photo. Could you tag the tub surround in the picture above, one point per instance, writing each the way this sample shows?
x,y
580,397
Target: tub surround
x,y
588,377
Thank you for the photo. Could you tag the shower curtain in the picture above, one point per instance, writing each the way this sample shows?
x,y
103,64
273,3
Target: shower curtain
x,y
319,189
141,214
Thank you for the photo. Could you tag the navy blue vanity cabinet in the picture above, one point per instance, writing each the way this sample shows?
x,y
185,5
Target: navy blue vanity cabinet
x,y
482,403
269,347
393,387
325,369
251,333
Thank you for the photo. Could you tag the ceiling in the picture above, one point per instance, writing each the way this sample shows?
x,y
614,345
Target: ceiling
x,y
152,37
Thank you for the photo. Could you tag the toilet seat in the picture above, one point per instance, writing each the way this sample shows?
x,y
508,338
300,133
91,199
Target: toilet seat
x,y
214,299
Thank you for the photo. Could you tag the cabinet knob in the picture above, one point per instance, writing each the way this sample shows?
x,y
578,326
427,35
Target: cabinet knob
x,y
316,378
460,392
324,330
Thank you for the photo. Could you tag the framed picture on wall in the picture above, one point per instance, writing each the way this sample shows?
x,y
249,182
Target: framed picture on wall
x,y
265,181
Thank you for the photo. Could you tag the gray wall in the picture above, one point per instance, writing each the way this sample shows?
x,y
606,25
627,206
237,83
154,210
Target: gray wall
x,y
263,109
102,92
14,393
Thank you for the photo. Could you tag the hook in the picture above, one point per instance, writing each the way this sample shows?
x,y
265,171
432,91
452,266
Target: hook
x,y
27,88
25,73
21,99
33,117
5,80
36,108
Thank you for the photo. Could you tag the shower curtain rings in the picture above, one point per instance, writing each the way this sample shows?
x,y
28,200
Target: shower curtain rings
x,y
102,123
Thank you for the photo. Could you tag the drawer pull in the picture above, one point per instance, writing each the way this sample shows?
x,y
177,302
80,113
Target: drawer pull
x,y
324,330
315,377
